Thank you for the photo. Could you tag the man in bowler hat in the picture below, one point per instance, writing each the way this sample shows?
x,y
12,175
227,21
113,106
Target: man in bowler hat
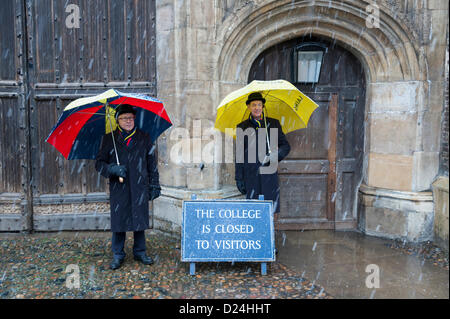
x,y
251,179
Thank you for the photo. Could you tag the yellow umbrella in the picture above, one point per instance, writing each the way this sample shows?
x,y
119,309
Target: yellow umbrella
x,y
284,102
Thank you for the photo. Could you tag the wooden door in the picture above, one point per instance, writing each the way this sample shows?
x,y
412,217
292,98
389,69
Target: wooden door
x,y
15,172
308,175
114,47
319,178
47,63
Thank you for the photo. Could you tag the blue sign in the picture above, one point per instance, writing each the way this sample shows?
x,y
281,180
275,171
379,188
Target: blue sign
x,y
227,230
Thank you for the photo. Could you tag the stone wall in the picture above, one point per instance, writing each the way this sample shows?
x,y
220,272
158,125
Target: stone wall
x,y
441,210
445,115
396,214
186,45
205,50
441,184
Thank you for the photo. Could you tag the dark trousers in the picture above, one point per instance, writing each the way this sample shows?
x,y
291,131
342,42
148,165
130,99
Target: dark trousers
x,y
118,243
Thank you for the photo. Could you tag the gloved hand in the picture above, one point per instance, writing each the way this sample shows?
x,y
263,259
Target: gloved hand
x,y
154,191
117,170
241,186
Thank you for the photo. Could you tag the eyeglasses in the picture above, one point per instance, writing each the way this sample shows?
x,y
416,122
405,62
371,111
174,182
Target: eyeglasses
x,y
127,119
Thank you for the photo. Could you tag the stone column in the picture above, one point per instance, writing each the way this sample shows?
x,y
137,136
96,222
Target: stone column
x,y
186,63
404,122
441,208
397,158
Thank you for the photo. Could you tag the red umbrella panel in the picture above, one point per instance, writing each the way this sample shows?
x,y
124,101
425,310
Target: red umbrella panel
x,y
81,126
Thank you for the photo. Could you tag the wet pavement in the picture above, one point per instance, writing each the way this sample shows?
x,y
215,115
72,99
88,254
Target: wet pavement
x,y
342,263
310,265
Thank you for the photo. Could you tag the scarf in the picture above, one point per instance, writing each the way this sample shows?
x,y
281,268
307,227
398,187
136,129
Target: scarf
x,y
126,135
257,123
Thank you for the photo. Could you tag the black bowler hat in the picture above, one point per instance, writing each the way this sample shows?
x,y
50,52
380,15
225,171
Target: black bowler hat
x,y
255,96
124,108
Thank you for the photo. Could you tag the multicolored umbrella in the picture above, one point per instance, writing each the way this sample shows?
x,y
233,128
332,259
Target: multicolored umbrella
x,y
81,126
284,102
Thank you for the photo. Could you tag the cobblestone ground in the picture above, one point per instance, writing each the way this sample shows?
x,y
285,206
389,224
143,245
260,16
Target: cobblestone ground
x,y
425,251
39,267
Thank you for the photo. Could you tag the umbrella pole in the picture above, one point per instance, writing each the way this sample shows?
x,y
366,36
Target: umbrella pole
x,y
114,142
265,124
267,135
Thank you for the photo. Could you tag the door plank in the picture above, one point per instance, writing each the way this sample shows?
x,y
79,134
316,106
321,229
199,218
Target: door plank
x,y
332,131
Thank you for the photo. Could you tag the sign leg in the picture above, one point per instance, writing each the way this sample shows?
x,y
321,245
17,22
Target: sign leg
x,y
192,269
263,269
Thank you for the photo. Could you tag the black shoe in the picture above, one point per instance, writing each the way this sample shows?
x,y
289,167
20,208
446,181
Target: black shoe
x,y
144,259
116,263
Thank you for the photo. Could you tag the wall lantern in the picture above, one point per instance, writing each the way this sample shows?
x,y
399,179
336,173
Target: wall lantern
x,y
308,62
308,66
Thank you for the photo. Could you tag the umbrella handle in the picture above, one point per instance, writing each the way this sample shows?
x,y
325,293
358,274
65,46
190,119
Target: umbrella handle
x,y
114,143
267,134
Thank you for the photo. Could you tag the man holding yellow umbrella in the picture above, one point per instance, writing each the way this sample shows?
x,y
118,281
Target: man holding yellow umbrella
x,y
251,176
273,108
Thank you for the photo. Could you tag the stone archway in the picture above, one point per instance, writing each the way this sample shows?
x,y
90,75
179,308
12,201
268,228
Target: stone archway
x,y
319,179
396,77
387,52
394,67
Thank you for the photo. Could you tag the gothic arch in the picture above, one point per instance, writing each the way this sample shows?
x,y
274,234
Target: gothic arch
x,y
387,53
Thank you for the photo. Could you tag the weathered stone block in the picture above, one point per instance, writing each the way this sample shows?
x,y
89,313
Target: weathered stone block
x,y
228,173
164,16
201,105
436,97
203,178
420,226
395,214
168,209
431,126
438,5
426,166
202,14
385,222
390,171
436,56
441,208
172,175
166,227
393,133
165,55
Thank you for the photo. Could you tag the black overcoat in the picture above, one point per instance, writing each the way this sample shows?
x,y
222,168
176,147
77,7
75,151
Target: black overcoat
x,y
256,183
129,200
